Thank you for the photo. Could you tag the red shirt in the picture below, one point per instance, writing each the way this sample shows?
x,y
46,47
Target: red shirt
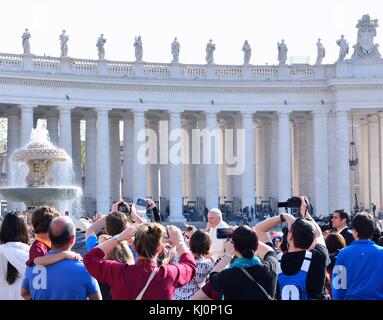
x,y
38,249
210,292
127,281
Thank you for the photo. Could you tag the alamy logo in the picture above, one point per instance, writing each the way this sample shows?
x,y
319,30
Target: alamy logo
x,y
40,280
200,146
339,280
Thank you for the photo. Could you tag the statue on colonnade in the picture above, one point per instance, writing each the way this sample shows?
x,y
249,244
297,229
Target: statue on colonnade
x,y
100,47
64,44
246,53
175,50
282,52
210,48
26,46
321,52
138,48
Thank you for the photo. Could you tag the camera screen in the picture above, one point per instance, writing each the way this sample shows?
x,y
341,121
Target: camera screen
x,y
142,202
122,208
224,233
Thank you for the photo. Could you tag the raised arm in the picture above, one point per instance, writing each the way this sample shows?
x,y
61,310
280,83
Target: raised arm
x,y
96,226
319,239
53,258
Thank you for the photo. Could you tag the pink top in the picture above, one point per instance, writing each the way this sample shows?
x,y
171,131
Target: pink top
x,y
127,281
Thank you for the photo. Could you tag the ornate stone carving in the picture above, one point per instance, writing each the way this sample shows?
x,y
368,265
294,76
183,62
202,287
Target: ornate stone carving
x,y
39,156
365,46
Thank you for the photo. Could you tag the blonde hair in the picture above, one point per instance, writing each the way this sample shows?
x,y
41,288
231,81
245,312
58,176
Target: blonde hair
x,y
121,253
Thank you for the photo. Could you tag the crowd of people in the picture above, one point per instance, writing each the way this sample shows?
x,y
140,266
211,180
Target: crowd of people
x,y
125,256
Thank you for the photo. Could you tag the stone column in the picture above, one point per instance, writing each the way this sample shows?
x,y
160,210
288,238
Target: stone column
x,y
103,164
294,158
192,178
164,154
248,175
128,157
53,126
26,123
90,161
153,166
258,159
139,165
211,170
201,182
284,156
266,147
115,158
76,150
175,172
65,142
302,155
13,143
65,137
229,151
332,162
310,160
320,157
237,178
221,152
274,159
380,167
342,163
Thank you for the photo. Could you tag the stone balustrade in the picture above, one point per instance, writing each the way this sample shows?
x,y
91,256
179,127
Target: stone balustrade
x,y
160,70
10,61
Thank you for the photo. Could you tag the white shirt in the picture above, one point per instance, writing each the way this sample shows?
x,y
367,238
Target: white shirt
x,y
17,254
217,245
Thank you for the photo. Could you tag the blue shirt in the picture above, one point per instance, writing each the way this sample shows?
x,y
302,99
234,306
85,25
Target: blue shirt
x,y
64,280
357,274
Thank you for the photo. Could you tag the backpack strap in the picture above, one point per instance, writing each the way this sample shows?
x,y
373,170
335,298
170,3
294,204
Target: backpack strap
x,y
139,297
259,286
306,261
279,256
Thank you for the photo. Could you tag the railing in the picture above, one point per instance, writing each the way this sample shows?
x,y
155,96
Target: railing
x,y
192,71
228,71
157,70
46,64
302,72
121,68
161,70
84,66
261,72
11,61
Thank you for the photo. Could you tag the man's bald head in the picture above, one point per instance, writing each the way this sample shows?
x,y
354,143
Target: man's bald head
x,y
62,232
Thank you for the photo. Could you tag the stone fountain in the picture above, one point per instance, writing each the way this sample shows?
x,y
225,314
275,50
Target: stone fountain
x,y
40,188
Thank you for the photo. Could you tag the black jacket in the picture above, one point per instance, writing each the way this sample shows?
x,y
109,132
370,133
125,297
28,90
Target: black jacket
x,y
347,235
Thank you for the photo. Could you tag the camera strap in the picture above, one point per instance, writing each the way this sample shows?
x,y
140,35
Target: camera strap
x,y
139,297
259,286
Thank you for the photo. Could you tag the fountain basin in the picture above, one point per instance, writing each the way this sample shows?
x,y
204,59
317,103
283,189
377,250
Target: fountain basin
x,y
40,194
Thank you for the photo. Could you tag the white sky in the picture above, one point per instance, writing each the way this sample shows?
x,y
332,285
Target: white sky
x,y
194,22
